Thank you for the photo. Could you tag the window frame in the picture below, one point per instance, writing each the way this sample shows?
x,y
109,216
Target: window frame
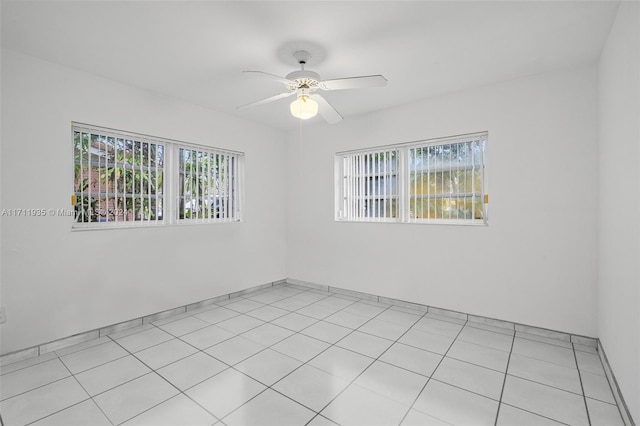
x,y
170,181
404,175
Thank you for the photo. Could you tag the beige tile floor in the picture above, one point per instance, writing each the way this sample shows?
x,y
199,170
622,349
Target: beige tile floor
x,y
287,356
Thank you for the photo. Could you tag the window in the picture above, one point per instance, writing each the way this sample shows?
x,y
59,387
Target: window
x,y
124,179
369,185
433,181
208,186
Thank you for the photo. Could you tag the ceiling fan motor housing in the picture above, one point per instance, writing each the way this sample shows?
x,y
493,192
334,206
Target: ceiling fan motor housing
x,y
303,74
305,79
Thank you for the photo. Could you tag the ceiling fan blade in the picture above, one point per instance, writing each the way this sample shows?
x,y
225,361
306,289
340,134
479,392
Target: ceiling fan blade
x,y
325,109
270,76
266,100
354,82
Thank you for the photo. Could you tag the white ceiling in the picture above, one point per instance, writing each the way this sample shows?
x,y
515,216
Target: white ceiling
x,y
196,50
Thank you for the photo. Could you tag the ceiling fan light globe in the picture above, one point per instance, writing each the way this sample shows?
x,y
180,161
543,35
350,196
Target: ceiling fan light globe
x,y
304,108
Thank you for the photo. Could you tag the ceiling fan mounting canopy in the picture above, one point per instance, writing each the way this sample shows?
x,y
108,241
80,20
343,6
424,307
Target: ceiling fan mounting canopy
x,y
305,82
302,56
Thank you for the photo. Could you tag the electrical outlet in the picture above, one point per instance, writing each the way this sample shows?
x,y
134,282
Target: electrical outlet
x,y
3,315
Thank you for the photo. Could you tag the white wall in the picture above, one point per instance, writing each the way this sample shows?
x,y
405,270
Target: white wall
x,y
56,282
536,261
619,227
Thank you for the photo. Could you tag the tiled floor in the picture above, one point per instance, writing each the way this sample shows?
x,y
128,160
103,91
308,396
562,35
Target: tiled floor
x,y
287,356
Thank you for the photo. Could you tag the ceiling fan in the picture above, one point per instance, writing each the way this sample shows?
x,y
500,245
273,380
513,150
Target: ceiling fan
x,y
304,83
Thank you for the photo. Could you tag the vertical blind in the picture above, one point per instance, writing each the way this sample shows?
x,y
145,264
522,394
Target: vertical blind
x,y
122,179
433,181
370,185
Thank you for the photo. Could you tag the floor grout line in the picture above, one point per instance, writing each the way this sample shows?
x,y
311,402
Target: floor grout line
x,y
370,364
163,378
326,295
265,348
535,414
432,373
90,397
133,354
584,397
504,381
305,363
